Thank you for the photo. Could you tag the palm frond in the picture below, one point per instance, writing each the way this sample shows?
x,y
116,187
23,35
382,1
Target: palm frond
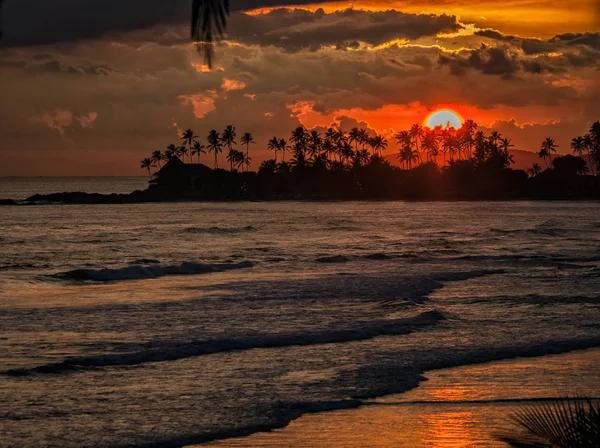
x,y
209,21
568,423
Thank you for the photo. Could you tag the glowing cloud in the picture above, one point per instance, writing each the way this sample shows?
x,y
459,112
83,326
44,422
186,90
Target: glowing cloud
x,y
202,103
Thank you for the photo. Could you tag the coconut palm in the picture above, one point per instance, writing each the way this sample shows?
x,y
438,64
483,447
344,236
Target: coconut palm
x,y
171,151
535,170
314,144
246,140
299,138
430,144
354,137
228,139
182,151
157,156
408,156
147,164
546,150
189,138
379,143
283,146
197,149
416,133
213,141
273,145
568,423
209,20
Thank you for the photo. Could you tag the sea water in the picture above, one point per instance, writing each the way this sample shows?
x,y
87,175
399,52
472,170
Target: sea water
x,y
173,324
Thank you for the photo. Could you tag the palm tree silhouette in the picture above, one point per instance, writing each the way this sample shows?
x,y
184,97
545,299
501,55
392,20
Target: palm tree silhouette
x,y
157,156
146,165
197,149
408,156
214,145
183,151
314,144
228,139
171,151
273,145
535,170
283,146
416,133
379,144
189,138
246,140
546,150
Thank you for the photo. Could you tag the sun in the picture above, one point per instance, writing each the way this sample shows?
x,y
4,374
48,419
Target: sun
x,y
444,118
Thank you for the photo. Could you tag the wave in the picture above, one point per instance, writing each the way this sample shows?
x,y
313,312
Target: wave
x,y
223,230
139,272
177,351
333,259
405,379
538,230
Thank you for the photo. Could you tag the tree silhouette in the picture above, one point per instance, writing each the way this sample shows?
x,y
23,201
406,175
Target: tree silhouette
x,y
283,146
535,170
188,138
214,145
273,145
197,149
548,147
146,165
247,139
228,139
171,151
157,156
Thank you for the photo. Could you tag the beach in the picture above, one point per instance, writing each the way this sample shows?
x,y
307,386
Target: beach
x,y
458,407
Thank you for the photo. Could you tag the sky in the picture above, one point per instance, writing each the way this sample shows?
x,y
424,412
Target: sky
x,y
90,88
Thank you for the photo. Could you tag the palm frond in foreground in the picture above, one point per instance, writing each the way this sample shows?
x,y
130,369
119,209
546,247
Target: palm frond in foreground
x,y
209,20
569,423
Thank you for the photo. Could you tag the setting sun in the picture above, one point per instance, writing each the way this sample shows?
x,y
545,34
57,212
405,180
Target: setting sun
x,y
444,118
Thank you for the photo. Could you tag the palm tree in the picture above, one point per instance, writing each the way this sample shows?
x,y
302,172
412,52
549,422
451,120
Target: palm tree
x,y
568,423
189,138
379,143
157,156
430,145
408,156
299,137
535,170
228,139
283,146
233,157
171,151
273,145
214,145
416,132
246,140
354,137
209,20
183,151
146,165
197,149
546,150
315,144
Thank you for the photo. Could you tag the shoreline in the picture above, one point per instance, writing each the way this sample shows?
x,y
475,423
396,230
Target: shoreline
x,y
239,437
141,197
372,419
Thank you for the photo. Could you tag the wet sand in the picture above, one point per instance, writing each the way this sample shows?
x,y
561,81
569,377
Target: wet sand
x,y
457,407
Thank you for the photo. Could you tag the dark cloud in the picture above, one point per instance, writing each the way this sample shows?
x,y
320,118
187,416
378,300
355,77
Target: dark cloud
x,y
295,30
488,60
55,66
40,22
591,40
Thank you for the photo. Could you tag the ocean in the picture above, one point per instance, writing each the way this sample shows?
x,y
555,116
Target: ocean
x,y
173,324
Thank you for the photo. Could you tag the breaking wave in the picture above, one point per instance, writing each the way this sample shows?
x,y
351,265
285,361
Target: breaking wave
x,y
139,272
177,351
